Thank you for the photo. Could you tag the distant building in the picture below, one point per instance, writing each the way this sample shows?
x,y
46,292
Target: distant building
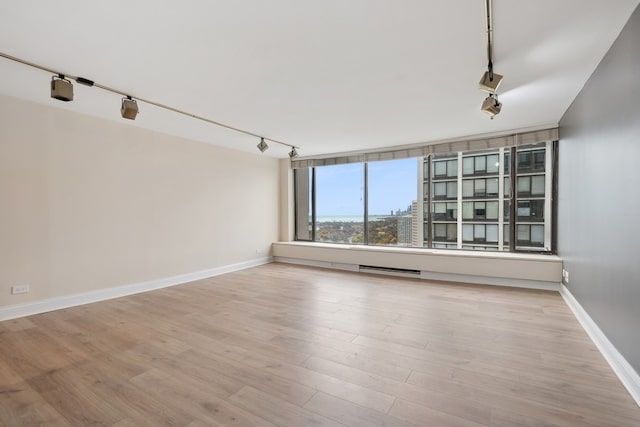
x,y
404,230
416,223
471,199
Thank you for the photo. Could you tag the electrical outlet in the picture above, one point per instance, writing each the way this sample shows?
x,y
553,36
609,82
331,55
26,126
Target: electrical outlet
x,y
22,289
565,276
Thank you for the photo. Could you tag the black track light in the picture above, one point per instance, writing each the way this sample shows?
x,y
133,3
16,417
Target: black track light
x,y
490,81
262,146
61,88
491,106
129,109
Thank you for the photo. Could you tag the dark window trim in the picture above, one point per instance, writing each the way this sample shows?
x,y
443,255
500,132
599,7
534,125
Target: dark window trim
x,y
313,208
554,196
511,222
430,201
365,172
513,173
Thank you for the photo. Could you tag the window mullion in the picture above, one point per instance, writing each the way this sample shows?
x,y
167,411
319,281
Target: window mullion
x,y
313,204
366,202
429,201
548,183
513,199
552,198
459,203
501,200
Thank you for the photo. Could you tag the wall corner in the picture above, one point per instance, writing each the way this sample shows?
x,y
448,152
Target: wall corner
x,y
286,202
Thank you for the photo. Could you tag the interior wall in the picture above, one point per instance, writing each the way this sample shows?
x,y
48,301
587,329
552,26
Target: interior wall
x,y
599,198
286,215
88,204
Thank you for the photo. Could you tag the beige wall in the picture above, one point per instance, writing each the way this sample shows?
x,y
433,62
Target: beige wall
x,y
287,215
88,204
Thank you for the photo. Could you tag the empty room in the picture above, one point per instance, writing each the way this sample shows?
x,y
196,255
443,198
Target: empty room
x,y
338,213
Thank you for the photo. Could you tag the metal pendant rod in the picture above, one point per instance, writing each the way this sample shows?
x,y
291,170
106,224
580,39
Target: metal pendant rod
x,y
488,5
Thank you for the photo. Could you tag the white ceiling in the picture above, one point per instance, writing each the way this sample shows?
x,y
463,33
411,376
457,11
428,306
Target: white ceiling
x,y
328,76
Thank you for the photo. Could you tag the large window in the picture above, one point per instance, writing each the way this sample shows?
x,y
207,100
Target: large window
x,y
533,204
482,198
340,203
303,188
392,206
498,199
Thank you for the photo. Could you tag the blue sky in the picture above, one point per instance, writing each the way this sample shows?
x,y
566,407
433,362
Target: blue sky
x,y
340,189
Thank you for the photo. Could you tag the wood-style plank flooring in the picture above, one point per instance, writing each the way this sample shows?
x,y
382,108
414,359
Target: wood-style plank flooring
x,y
283,345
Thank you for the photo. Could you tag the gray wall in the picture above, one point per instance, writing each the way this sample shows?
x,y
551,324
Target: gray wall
x,y
599,194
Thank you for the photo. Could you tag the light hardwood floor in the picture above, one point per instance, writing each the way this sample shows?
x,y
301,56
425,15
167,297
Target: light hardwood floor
x,y
282,345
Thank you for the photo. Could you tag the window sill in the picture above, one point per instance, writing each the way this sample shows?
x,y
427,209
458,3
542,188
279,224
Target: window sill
x,y
432,252
509,269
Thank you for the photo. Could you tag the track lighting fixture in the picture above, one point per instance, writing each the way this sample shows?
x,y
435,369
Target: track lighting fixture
x,y
293,153
491,106
129,109
262,146
61,88
490,80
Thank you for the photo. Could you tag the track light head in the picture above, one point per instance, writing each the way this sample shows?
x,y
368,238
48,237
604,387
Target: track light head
x,y
491,106
61,88
293,153
262,146
490,82
129,109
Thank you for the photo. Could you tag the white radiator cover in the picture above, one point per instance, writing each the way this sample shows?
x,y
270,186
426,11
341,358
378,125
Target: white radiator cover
x,y
505,269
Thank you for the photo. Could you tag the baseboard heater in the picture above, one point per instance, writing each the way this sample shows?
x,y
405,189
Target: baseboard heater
x,y
403,272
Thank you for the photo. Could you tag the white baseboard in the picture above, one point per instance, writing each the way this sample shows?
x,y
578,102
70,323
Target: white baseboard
x,y
427,275
625,372
43,306
490,280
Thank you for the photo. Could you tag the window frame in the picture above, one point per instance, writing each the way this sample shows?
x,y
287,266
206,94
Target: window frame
x,y
453,199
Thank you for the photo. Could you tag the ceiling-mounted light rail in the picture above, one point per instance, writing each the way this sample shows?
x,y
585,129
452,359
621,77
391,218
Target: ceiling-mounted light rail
x,y
62,89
